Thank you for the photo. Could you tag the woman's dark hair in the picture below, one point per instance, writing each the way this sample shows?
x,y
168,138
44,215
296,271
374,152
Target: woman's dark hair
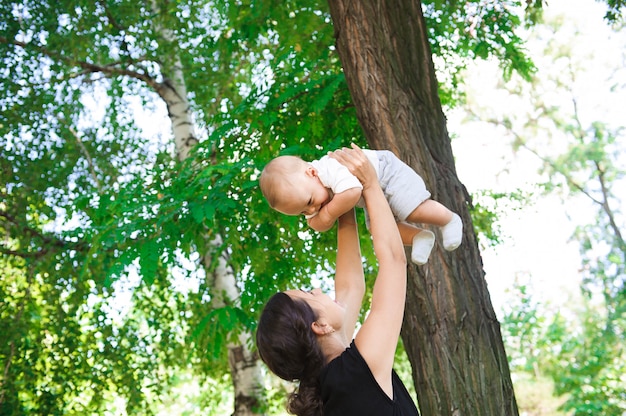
x,y
289,347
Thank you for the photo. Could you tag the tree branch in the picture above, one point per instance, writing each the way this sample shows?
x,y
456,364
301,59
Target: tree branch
x,y
84,151
607,209
121,30
110,70
46,241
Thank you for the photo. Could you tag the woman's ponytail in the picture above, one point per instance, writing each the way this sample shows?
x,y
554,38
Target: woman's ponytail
x,y
289,347
306,400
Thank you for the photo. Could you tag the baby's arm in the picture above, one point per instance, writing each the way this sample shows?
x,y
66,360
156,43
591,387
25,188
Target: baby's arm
x,y
339,205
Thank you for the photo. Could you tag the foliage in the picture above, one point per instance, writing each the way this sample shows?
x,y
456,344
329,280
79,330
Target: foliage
x,y
460,32
581,159
535,396
615,11
585,365
486,208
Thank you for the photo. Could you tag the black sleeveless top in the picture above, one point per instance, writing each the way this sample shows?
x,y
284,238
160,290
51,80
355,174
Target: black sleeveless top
x,y
350,389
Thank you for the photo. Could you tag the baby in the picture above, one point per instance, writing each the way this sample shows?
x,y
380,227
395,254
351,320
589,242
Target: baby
x,y
324,189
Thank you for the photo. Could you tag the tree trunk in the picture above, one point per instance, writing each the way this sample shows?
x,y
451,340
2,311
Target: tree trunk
x,y
244,363
245,366
450,330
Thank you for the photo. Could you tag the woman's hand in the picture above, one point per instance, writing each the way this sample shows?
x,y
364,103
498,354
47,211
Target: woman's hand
x,y
357,162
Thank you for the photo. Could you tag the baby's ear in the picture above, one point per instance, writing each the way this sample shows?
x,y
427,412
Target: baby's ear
x,y
311,171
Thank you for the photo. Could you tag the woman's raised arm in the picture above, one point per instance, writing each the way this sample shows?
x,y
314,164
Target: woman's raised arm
x,y
378,337
349,277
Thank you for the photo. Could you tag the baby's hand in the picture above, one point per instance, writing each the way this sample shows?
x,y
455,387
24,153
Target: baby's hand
x,y
308,217
357,162
318,224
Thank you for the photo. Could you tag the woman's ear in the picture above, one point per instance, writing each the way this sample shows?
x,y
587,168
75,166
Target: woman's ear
x,y
322,328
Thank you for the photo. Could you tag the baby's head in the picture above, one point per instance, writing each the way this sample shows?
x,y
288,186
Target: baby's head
x,y
291,186
280,177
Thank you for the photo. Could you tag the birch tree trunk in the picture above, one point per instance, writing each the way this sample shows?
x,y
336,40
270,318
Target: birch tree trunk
x,y
450,330
245,365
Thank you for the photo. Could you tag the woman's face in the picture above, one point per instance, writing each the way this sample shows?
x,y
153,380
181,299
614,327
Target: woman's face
x,y
329,311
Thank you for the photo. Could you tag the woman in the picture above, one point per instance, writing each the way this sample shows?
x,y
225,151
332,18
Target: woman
x,y
306,336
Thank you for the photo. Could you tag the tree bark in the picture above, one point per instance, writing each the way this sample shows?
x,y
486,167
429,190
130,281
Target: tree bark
x,y
450,331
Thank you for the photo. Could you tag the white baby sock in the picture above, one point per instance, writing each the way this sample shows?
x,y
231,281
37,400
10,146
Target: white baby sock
x,y
422,245
452,233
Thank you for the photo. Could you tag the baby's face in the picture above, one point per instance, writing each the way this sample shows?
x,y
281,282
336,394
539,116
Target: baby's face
x,y
307,197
